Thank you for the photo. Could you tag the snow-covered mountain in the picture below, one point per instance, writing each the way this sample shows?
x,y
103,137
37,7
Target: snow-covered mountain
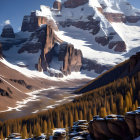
x,y
75,35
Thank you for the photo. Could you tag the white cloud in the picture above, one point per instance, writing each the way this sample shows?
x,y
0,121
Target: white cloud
x,y
7,22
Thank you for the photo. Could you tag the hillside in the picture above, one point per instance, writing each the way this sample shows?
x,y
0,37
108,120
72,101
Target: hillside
x,y
127,68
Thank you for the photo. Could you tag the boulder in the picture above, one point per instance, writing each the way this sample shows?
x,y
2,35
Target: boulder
x,y
74,3
8,32
119,129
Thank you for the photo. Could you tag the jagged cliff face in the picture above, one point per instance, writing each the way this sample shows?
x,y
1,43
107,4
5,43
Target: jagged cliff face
x,y
48,42
90,36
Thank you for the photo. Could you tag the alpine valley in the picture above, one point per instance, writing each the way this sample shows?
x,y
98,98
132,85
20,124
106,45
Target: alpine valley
x,y
48,67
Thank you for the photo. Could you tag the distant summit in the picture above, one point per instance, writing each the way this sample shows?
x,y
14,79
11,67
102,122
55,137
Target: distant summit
x,y
8,32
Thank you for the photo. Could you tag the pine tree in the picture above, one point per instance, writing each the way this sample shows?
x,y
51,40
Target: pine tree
x,y
133,83
111,102
49,125
70,119
125,110
24,132
127,102
94,111
75,115
7,131
30,131
38,132
44,127
133,107
84,113
66,120
57,120
108,107
89,116
102,112
136,104
120,106
61,124
1,135
80,115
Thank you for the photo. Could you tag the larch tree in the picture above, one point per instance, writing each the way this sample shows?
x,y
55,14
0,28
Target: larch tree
x,y
120,105
24,132
44,127
102,112
57,120
89,115
70,119
1,135
75,115
80,115
7,131
38,132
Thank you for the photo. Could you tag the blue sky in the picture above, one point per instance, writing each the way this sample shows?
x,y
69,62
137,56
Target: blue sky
x,y
13,10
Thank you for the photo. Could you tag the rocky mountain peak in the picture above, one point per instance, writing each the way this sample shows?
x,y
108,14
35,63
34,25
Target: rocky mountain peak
x,y
8,31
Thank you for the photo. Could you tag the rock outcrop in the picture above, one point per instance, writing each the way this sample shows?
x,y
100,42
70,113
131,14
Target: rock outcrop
x,y
132,19
91,24
134,61
93,65
57,5
116,126
47,38
120,46
8,32
4,92
72,58
115,17
32,22
74,3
